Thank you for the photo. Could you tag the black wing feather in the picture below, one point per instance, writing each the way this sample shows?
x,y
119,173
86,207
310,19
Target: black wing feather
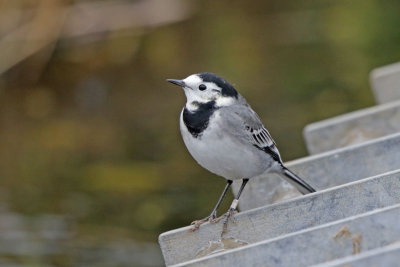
x,y
263,141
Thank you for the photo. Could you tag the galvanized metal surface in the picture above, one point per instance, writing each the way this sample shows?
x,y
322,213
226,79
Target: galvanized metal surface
x,y
274,220
352,128
385,83
315,245
387,256
326,170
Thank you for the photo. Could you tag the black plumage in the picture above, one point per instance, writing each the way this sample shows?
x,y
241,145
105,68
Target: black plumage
x,y
197,121
226,88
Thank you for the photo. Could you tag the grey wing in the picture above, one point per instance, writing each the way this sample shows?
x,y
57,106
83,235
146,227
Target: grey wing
x,y
255,131
248,126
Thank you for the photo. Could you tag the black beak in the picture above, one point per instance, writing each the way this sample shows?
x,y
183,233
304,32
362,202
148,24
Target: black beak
x,y
177,82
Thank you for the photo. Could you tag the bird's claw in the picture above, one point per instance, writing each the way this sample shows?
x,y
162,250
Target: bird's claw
x,y
196,224
228,216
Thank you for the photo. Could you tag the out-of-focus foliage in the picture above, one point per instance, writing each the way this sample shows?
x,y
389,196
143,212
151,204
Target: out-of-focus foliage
x,y
89,127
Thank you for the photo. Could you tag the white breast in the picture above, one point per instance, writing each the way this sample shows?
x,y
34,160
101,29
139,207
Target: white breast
x,y
221,153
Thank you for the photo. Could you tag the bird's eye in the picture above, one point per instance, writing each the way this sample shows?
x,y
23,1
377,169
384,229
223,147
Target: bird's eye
x,y
202,87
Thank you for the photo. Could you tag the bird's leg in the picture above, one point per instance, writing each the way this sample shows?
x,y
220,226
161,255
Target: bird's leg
x,y
196,224
232,209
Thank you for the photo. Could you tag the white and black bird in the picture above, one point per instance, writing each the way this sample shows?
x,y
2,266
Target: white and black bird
x,y
225,136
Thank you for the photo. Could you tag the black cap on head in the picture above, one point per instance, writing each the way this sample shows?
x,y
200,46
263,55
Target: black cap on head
x,y
227,88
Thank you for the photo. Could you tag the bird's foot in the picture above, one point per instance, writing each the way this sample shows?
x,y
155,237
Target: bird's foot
x,y
229,217
196,224
226,217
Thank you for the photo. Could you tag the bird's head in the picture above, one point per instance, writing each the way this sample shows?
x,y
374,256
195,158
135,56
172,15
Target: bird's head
x,y
205,87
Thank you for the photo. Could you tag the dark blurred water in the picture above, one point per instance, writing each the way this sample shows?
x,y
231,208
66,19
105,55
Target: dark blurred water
x,y
53,240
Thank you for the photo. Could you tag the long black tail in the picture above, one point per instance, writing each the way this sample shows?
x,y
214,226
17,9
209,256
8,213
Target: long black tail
x,y
297,182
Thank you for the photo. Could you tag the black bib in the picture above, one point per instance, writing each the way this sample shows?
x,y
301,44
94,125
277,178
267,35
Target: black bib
x,y
197,121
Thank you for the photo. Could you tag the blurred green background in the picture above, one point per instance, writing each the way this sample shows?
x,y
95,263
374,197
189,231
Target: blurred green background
x,y
92,165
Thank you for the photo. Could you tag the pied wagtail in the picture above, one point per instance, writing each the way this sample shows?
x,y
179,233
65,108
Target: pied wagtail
x,y
225,136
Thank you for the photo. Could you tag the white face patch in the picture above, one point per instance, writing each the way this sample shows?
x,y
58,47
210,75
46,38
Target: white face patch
x,y
193,80
224,101
191,93
212,92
